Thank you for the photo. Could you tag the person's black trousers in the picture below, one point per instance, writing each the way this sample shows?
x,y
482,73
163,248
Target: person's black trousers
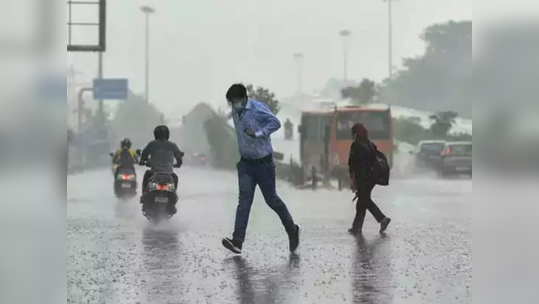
x,y
365,203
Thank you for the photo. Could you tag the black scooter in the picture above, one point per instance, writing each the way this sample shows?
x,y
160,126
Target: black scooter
x,y
159,199
125,182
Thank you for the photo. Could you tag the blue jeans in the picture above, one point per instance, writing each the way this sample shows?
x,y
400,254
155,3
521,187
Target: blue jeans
x,y
262,174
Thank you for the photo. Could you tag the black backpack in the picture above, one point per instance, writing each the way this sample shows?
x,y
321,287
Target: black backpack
x,y
381,170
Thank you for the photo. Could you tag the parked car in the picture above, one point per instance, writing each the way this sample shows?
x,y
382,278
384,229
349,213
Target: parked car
x,y
429,153
456,159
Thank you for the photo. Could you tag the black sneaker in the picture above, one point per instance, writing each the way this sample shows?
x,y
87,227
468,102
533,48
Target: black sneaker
x,y
384,224
295,239
232,245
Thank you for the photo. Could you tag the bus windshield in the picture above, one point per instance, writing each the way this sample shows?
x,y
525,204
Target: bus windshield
x,y
377,123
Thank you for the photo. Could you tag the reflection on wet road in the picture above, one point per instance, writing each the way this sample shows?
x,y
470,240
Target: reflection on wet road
x,y
254,286
372,280
115,256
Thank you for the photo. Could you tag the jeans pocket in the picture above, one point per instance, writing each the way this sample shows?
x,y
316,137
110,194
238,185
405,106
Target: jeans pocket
x,y
241,167
270,167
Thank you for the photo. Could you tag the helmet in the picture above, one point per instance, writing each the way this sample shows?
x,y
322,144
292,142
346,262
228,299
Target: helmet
x,y
126,143
161,132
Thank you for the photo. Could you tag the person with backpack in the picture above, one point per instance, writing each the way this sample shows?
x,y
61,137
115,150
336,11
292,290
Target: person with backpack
x,y
368,167
125,158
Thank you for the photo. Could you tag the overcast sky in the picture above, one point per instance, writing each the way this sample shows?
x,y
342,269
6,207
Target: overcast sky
x,y
200,47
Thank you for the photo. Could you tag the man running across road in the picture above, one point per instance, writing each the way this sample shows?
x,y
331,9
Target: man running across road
x,y
254,124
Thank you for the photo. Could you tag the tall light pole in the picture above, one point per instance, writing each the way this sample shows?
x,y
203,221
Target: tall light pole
x,y
147,11
345,34
299,62
390,37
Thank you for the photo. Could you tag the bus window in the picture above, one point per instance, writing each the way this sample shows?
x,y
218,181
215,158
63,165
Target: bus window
x,y
315,127
312,128
377,123
325,123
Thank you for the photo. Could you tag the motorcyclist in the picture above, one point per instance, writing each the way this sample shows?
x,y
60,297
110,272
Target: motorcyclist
x,y
288,127
161,152
125,158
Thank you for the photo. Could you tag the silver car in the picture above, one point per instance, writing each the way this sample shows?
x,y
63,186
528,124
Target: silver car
x,y
456,159
429,153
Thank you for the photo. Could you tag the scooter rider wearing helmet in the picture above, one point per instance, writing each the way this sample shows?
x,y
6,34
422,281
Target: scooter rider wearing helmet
x,y
162,153
125,158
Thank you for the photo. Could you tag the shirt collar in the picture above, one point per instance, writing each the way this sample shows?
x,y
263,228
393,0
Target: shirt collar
x,y
249,104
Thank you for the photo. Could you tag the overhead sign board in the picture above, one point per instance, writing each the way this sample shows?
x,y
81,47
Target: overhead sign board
x,y
111,89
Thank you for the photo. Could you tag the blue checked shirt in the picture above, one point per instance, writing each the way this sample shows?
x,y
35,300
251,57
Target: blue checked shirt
x,y
258,117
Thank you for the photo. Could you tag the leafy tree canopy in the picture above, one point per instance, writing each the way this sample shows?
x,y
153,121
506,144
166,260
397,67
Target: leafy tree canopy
x,y
264,95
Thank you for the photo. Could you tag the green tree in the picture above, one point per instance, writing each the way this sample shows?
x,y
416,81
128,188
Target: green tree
x,y
365,93
264,95
136,119
439,80
409,130
442,123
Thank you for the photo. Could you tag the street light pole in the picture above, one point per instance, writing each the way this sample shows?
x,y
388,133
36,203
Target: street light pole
x,y
299,58
147,11
345,34
390,37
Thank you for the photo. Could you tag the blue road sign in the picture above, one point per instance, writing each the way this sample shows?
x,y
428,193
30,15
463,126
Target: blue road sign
x,y
105,89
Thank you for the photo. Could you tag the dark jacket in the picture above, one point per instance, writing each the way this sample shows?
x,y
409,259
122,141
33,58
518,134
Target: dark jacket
x,y
361,161
162,154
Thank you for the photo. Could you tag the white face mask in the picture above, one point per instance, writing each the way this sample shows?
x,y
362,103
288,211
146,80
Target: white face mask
x,y
238,106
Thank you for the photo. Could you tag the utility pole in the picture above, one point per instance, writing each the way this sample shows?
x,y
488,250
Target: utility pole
x,y
71,88
147,10
345,34
299,62
80,106
70,83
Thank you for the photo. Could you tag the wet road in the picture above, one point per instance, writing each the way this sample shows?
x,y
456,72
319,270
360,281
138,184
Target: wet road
x,y
115,256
